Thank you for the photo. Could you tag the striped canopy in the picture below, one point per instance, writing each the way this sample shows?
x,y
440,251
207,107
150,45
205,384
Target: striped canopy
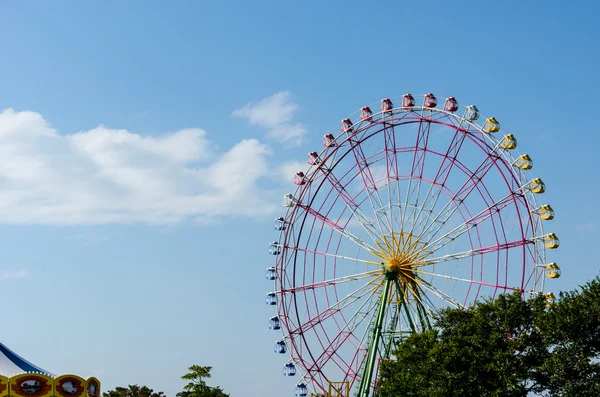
x,y
12,364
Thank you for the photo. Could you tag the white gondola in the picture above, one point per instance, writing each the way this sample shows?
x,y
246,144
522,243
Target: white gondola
x,y
279,347
279,223
471,113
271,273
274,248
289,369
271,299
301,390
274,323
288,200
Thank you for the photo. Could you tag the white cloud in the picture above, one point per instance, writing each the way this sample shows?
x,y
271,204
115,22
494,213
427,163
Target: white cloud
x,y
106,175
587,227
12,274
275,113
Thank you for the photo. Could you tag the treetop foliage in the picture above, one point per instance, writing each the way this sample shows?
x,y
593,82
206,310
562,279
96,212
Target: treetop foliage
x,y
506,346
197,387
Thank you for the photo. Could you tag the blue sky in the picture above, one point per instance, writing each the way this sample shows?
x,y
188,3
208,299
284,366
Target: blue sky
x,y
122,110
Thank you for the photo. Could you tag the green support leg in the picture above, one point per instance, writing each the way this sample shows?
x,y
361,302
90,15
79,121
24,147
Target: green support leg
x,y
364,389
365,382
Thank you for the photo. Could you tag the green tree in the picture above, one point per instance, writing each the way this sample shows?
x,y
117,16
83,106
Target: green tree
x,y
133,391
572,332
197,387
504,347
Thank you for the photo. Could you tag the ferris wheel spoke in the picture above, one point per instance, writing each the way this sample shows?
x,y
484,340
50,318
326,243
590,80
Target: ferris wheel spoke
x,y
391,166
463,192
441,294
334,281
477,282
417,167
368,288
379,210
452,235
479,251
327,254
429,308
367,225
439,181
337,227
346,332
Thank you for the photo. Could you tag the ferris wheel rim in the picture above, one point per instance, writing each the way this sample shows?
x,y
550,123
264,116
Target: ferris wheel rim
x,y
373,134
512,172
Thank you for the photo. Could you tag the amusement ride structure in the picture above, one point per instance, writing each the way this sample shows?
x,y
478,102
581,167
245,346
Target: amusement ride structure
x,y
21,378
405,211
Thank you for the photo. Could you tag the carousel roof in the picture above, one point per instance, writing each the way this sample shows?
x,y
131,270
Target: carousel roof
x,y
12,364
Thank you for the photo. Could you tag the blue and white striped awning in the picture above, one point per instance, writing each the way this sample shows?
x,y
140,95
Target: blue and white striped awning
x,y
12,364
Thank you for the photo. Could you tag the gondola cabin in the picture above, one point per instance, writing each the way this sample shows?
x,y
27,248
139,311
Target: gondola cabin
x,y
491,125
279,223
386,105
299,178
271,273
408,101
301,390
523,162
430,101
328,140
274,323
271,299
550,299
274,248
313,158
451,104
347,126
551,241
471,113
288,200
552,270
279,347
537,186
545,212
366,114
508,142
289,369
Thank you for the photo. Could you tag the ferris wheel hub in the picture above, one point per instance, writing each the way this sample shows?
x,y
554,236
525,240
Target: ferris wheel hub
x,y
400,252
399,269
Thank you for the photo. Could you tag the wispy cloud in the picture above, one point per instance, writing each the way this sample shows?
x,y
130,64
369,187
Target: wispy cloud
x,y
139,115
587,227
275,113
108,175
12,274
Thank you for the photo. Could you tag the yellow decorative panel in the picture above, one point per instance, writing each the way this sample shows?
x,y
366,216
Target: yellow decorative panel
x,y
92,387
3,386
69,386
31,385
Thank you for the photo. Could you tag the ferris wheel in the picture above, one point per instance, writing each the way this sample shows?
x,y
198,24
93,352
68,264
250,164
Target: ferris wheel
x,y
406,211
